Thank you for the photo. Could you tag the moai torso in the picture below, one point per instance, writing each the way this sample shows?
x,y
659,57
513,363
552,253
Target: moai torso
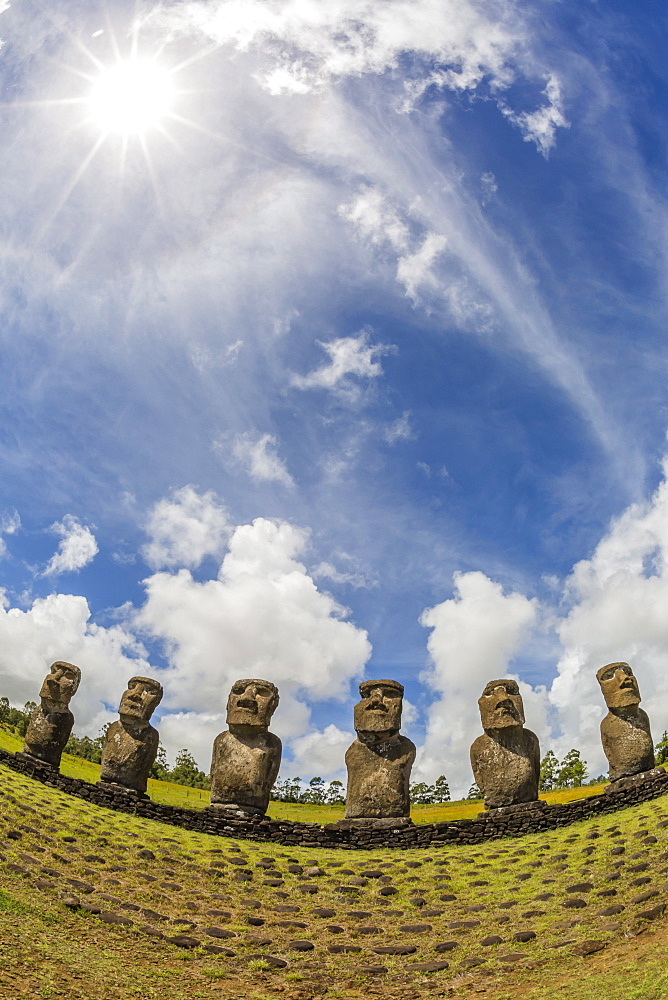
x,y
128,755
244,769
627,743
506,759
506,766
47,734
625,733
379,778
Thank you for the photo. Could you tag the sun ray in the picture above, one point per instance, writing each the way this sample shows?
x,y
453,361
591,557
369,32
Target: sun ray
x,y
70,188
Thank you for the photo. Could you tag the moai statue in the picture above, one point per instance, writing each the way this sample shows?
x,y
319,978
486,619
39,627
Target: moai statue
x,y
625,733
379,762
131,744
246,758
506,758
51,722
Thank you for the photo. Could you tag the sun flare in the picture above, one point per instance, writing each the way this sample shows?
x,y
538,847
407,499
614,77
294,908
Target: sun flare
x,y
131,97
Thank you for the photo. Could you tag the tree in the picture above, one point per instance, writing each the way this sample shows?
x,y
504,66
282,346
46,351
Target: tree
x,y
441,789
474,793
160,768
186,771
421,794
549,767
315,793
662,749
572,770
335,794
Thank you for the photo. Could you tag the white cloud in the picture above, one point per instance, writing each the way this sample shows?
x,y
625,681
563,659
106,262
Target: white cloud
x,y
263,616
415,269
9,524
488,186
375,220
258,457
474,637
309,44
184,529
353,576
540,126
76,549
400,429
618,600
58,627
320,752
348,356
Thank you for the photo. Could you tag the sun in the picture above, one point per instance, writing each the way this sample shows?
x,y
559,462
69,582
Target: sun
x,y
131,97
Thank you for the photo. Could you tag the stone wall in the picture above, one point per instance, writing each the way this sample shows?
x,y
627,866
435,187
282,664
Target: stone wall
x,y
509,822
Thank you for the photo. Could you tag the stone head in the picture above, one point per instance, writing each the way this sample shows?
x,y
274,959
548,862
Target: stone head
x,y
251,702
140,700
619,685
501,705
59,685
379,711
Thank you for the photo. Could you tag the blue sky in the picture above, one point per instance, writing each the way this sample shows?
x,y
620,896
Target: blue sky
x,y
343,357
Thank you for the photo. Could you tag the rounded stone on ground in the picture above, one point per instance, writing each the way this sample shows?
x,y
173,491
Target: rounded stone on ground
x,y
524,936
588,947
371,970
574,904
334,929
300,945
653,913
218,932
343,949
369,930
428,967
323,911
511,957
490,940
395,949
272,960
471,963
114,918
217,949
183,941
414,928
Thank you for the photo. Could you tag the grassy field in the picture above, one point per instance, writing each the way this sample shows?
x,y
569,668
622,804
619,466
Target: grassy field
x,y
103,906
195,798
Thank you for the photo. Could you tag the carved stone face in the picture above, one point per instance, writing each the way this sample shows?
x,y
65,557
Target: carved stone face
x,y
252,702
141,699
501,705
60,684
380,707
619,685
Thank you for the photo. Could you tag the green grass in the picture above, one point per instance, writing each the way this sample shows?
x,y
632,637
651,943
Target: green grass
x,y
46,946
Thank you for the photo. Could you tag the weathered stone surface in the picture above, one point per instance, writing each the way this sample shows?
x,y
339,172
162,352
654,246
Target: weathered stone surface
x,y
131,744
246,758
625,731
51,722
506,758
379,762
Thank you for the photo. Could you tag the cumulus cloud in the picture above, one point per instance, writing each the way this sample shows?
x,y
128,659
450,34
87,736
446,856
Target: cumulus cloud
x,y
59,627
348,357
617,604
474,637
184,529
76,549
262,617
258,457
415,269
321,752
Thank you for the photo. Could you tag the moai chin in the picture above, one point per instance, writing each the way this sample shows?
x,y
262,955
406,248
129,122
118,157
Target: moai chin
x,y
51,722
625,733
379,762
506,758
246,757
131,743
